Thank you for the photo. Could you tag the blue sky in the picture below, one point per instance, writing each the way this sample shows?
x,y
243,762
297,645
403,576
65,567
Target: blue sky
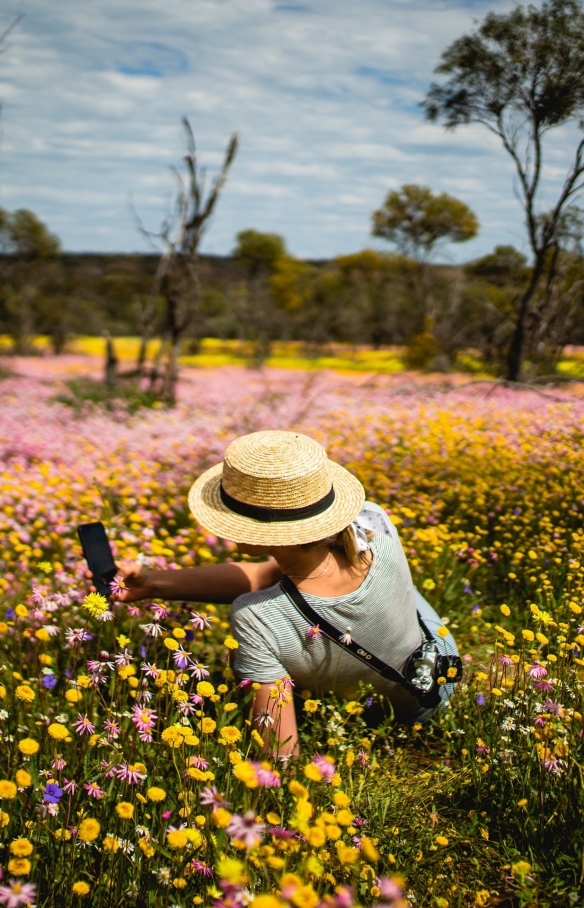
x,y
324,95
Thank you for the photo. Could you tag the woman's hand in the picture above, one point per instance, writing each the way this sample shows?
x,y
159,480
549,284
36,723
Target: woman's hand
x,y
135,581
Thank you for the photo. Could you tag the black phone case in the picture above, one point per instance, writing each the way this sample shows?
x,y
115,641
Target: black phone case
x,y
98,555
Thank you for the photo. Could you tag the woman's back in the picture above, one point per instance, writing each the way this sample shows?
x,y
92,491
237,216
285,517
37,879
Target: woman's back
x,y
380,612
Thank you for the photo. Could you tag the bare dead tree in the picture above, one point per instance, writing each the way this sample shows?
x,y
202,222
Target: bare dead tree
x,y
176,279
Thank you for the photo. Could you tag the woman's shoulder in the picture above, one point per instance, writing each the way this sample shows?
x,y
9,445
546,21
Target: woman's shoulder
x,y
374,519
258,601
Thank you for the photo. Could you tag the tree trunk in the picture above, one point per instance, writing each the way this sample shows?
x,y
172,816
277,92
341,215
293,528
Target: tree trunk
x,y
111,363
515,352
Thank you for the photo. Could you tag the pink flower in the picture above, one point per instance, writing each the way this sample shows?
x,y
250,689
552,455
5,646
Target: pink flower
x,y
245,829
200,621
198,763
70,786
83,726
546,685
144,719
505,660
133,611
16,894
203,868
199,671
536,670
93,790
266,778
211,796
112,728
127,773
313,633
166,814
117,587
390,890
326,766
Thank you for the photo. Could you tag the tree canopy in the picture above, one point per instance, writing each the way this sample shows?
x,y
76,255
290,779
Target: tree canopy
x,y
418,220
521,74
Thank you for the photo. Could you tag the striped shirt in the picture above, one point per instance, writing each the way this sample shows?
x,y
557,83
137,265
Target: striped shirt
x,y
381,614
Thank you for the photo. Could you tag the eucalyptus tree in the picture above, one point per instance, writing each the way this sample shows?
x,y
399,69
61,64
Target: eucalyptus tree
x,y
521,76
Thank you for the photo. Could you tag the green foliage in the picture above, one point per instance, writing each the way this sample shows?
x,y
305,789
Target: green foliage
x,y
416,220
258,252
529,61
125,398
23,235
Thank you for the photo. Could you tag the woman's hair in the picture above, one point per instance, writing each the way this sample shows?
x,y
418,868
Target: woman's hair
x,y
346,542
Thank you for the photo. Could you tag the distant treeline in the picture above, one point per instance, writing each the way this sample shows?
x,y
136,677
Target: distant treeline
x,y
262,293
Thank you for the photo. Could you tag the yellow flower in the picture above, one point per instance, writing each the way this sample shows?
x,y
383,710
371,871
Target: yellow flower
x,y
21,848
368,849
311,706
19,866
80,889
95,603
177,838
520,869
267,901
208,726
111,843
340,799
7,789
57,731
204,689
428,584
179,882
315,836
257,737
353,708
4,819
28,746
344,817
505,610
179,633
73,695
25,692
230,642
442,631
221,817
23,778
298,790
312,772
496,692
63,835
441,840
541,638
170,643
156,794
88,830
125,810
232,870
231,734
346,854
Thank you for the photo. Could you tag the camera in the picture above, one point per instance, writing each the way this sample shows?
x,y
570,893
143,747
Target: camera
x,y
427,664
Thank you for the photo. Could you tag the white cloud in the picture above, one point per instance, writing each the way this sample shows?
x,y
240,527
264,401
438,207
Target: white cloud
x,y
324,94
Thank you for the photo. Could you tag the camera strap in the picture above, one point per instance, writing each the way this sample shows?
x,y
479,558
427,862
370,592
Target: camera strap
x,y
427,699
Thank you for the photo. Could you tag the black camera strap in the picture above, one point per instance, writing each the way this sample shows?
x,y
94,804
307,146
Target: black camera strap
x,y
428,699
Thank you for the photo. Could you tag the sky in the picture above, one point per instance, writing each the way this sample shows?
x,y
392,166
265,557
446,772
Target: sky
x,y
324,94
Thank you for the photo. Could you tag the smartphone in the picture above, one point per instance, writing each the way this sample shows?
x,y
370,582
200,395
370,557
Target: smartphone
x,y
98,555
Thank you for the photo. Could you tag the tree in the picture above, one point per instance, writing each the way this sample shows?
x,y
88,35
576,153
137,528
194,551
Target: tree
x,y
29,254
258,252
177,280
419,222
520,75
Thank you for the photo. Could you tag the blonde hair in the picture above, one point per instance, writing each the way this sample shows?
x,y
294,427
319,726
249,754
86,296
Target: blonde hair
x,y
346,542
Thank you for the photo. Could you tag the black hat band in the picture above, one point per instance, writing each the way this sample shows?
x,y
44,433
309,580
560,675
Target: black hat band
x,y
276,515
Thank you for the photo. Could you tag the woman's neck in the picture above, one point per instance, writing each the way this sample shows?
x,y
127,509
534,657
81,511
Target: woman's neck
x,y
339,578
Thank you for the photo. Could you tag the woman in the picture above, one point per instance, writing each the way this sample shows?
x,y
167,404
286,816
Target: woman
x,y
277,494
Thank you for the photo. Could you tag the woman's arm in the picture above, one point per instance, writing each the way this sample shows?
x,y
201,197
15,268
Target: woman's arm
x,y
217,583
275,723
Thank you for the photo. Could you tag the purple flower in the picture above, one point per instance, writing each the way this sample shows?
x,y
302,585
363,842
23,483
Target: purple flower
x,y
53,793
553,707
49,682
480,700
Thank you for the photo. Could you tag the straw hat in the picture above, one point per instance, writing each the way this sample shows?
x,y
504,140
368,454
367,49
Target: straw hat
x,y
276,488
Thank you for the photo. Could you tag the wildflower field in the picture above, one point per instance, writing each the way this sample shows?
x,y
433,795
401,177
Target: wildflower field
x,y
130,772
